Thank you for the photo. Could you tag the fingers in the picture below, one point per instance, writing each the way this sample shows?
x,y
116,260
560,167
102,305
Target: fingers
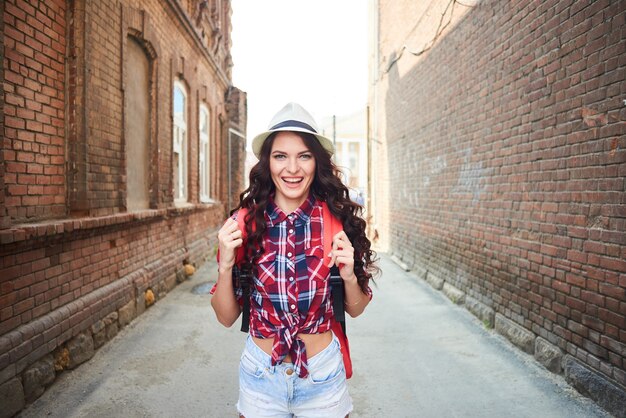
x,y
332,259
342,252
341,240
344,259
342,247
343,255
231,243
230,226
341,259
236,243
230,236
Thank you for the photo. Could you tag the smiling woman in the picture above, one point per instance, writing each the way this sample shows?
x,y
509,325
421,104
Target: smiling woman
x,y
293,360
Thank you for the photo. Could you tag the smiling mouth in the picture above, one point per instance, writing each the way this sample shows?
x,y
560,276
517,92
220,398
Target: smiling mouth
x,y
292,181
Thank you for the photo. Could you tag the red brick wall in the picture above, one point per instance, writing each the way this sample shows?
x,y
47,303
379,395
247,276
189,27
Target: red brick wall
x,y
4,218
507,140
94,267
70,254
35,40
34,111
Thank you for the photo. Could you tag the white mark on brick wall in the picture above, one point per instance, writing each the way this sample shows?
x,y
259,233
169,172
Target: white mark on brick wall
x,y
437,165
415,173
408,193
405,173
470,177
414,163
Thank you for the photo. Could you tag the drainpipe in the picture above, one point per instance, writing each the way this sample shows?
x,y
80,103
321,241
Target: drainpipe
x,y
233,133
368,138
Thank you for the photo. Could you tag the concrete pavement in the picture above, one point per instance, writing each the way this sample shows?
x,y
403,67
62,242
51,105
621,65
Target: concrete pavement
x,y
415,354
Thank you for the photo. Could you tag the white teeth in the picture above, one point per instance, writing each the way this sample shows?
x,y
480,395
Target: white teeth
x,y
292,180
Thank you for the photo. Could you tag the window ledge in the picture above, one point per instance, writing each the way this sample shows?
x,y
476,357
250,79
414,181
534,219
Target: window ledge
x,y
182,204
23,232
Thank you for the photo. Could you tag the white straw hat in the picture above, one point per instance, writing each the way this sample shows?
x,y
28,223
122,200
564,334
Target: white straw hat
x,y
292,117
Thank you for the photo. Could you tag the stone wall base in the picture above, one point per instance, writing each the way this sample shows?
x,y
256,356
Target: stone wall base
x,y
30,379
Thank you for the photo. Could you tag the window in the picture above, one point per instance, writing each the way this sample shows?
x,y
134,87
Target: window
x,y
353,158
339,153
180,143
137,127
205,155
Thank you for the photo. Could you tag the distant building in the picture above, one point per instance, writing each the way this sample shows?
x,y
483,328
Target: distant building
x,y
122,143
350,135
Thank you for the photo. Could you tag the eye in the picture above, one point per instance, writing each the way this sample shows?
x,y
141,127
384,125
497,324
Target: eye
x,y
279,156
306,156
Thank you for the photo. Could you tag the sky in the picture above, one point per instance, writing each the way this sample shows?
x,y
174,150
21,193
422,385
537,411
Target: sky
x,y
313,52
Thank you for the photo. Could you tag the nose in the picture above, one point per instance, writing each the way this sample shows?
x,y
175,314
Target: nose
x,y
292,166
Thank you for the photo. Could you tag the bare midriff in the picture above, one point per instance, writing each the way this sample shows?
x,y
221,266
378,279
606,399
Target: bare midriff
x,y
314,343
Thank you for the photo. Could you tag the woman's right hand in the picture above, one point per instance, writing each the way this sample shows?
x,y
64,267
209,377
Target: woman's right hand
x,y
229,239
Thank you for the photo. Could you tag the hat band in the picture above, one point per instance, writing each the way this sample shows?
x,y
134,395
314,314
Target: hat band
x,y
293,124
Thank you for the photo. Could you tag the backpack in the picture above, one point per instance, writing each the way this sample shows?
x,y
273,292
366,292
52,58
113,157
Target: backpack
x,y
332,226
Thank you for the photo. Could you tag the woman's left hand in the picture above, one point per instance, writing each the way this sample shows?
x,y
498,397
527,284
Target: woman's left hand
x,y
342,255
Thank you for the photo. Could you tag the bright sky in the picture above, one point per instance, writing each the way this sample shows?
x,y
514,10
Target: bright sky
x,y
313,52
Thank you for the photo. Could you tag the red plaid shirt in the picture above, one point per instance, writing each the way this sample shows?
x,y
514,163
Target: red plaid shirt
x,y
291,292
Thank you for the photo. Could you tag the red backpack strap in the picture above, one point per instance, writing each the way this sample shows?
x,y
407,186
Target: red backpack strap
x,y
332,226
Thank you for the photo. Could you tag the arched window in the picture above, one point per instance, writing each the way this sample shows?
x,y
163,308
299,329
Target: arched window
x,y
204,159
180,135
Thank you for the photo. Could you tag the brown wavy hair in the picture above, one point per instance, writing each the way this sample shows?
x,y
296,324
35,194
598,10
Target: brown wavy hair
x,y
326,186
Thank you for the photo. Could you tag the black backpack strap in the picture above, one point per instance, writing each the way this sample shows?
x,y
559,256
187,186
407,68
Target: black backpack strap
x,y
245,279
336,288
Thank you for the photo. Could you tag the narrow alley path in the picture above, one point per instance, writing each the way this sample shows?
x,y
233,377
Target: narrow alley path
x,y
415,354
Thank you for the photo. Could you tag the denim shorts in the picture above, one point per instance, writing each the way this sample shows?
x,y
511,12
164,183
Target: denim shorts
x,y
276,391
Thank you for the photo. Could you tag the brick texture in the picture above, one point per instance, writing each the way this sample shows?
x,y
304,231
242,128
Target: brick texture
x,y
34,110
507,137
4,218
71,255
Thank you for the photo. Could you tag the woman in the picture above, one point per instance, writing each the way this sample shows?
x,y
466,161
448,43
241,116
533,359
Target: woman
x,y
292,364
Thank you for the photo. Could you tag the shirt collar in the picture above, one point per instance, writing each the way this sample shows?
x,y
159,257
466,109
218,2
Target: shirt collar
x,y
275,215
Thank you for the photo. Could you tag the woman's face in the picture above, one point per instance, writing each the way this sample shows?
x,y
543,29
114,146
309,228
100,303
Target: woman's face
x,y
292,166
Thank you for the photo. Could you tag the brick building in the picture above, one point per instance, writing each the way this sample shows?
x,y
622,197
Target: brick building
x,y
499,146
118,118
